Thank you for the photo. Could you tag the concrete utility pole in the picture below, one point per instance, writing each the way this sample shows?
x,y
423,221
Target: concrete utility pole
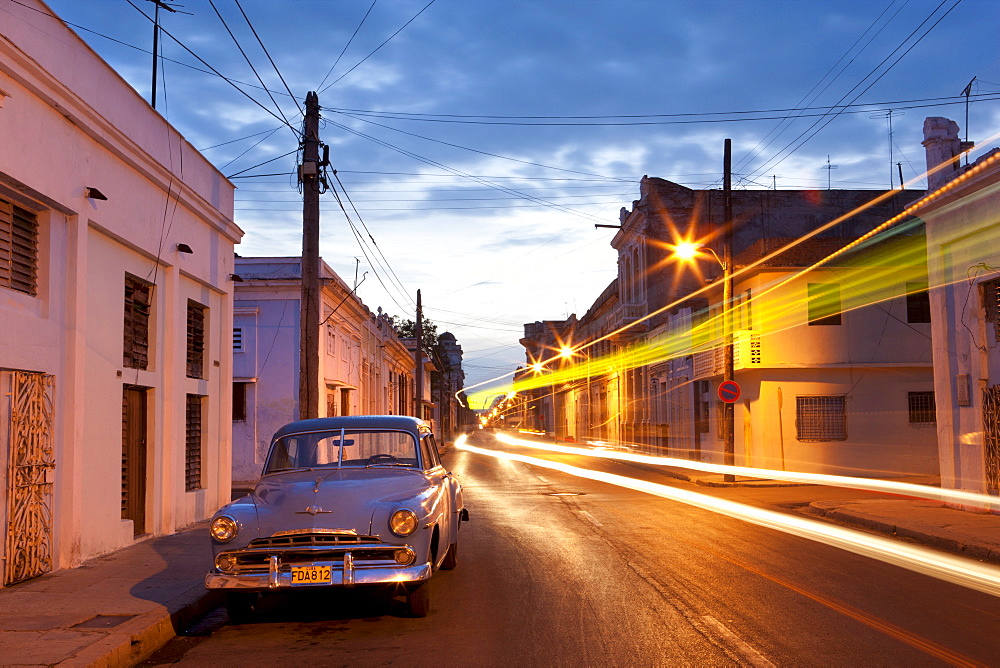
x,y
418,356
309,300
727,299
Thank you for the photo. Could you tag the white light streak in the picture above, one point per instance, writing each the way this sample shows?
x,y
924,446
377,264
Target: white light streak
x,y
953,569
870,484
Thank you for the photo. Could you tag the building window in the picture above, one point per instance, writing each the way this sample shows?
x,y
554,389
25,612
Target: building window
x,y
18,248
192,450
921,408
918,303
331,341
138,304
195,340
824,303
821,418
237,339
239,401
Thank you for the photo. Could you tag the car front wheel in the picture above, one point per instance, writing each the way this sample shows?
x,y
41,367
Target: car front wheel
x,y
419,600
450,560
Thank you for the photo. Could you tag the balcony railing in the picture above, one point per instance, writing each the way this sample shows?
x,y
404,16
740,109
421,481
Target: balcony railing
x,y
747,354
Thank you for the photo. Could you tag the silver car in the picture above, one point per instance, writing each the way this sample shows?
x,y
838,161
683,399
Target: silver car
x,y
342,502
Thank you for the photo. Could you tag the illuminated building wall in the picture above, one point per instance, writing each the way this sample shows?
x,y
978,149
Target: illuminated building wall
x,y
963,222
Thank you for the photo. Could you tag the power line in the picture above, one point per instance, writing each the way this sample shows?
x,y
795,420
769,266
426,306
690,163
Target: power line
x,y
217,73
344,50
252,68
271,60
376,50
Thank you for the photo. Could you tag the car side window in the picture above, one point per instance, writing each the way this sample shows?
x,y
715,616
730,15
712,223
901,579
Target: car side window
x,y
428,449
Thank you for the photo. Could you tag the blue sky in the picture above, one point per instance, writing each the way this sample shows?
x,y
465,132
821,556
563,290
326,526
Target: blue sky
x,y
481,140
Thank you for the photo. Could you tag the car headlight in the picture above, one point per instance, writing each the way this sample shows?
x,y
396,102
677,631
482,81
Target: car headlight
x,y
224,528
403,522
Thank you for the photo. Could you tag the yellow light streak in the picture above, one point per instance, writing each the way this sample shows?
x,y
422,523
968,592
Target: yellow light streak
x,y
683,343
946,567
850,482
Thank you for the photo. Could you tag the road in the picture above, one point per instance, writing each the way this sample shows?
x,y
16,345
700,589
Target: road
x,y
557,570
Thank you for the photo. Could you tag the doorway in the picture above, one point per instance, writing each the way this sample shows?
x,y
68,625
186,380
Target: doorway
x,y
134,423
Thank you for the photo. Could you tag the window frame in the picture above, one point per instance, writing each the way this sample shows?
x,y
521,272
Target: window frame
x,y
197,316
921,405
138,316
19,240
194,440
827,425
821,310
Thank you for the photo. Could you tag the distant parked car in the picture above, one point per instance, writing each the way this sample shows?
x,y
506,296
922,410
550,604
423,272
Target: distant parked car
x,y
342,502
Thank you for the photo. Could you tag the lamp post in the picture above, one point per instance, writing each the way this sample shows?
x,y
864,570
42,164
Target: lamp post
x,y
688,251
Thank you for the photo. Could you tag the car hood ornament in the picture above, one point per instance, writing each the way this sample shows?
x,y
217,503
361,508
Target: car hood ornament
x,y
312,510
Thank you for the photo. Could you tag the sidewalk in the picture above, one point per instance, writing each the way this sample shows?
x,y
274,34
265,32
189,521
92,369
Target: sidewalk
x,y
118,609
113,610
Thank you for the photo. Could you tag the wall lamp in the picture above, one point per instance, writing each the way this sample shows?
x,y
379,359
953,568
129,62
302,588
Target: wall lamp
x,y
94,193
235,278
184,248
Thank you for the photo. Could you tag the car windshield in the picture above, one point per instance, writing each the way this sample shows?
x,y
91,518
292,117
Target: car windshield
x,y
331,449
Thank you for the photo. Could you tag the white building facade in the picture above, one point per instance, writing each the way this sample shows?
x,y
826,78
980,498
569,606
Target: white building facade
x,y
364,368
115,308
962,212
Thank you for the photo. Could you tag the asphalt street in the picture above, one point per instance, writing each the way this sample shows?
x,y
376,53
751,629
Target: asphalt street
x,y
559,570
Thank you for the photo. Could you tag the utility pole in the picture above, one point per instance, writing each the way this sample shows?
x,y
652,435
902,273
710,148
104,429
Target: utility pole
x,y
418,356
729,452
309,300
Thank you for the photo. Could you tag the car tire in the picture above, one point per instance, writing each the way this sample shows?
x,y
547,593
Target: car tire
x,y
419,600
450,560
240,606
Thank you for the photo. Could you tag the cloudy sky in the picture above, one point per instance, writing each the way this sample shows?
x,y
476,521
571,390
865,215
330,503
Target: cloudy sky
x,y
480,140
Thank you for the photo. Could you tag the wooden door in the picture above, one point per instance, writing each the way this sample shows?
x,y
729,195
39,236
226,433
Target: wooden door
x,y
134,457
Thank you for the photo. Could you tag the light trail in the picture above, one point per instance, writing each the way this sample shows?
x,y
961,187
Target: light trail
x,y
946,567
850,482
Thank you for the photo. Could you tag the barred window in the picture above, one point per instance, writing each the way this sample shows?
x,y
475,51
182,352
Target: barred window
x,y
192,450
195,340
820,418
237,339
824,303
138,304
918,303
921,408
18,248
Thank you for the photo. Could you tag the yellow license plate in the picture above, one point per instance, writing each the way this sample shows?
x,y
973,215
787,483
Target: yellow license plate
x,y
311,575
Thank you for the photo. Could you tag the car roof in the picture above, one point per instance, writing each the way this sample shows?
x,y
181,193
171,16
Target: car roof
x,y
395,422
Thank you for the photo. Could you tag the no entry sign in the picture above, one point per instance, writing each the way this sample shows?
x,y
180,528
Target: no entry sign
x,y
729,391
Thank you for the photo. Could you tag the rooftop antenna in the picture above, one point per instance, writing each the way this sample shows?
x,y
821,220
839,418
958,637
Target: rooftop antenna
x,y
967,92
158,4
828,169
888,116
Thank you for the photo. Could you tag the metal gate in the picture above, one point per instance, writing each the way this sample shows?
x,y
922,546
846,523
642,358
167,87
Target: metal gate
x,y
27,421
991,436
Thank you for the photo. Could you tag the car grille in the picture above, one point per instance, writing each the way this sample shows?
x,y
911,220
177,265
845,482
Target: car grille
x,y
299,549
309,540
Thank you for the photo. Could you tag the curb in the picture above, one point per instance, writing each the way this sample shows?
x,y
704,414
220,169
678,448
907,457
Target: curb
x,y
937,541
140,638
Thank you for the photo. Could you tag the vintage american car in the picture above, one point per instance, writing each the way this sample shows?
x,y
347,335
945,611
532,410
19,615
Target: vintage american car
x,y
342,502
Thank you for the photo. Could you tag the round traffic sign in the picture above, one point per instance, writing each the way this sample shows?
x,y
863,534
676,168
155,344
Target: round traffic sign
x,y
729,391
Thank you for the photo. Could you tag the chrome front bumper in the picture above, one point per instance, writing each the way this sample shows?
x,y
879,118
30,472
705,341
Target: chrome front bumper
x,y
344,575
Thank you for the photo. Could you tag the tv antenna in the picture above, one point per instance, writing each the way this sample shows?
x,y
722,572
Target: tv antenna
x,y
829,170
159,4
888,116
